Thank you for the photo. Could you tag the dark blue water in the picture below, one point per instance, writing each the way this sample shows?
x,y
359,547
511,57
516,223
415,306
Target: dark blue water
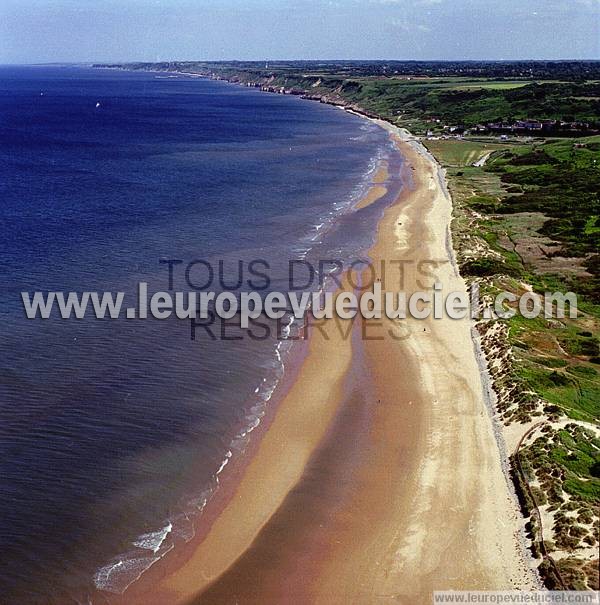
x,y
111,432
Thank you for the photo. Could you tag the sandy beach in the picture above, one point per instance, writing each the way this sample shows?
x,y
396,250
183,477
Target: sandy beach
x,y
379,478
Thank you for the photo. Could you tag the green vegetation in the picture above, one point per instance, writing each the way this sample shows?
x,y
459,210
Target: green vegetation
x,y
483,267
537,101
491,84
562,181
577,395
556,200
579,575
577,451
418,103
565,462
461,153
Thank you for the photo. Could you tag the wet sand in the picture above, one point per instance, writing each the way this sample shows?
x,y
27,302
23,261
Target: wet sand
x,y
379,478
375,193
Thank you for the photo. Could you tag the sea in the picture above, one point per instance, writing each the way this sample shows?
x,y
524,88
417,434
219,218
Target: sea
x,y
114,432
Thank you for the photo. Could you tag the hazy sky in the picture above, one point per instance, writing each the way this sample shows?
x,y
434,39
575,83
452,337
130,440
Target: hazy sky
x,y
128,30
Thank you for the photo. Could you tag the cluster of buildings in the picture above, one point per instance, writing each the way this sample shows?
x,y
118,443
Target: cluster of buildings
x,y
535,126
525,127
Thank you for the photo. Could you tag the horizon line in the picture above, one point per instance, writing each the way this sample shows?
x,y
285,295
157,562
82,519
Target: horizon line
x,y
130,61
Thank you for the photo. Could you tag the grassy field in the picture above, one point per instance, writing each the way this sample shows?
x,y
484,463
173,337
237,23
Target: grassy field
x,y
558,360
454,101
457,83
490,85
458,154
501,84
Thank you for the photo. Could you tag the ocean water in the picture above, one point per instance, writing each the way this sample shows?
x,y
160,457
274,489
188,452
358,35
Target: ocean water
x,y
113,432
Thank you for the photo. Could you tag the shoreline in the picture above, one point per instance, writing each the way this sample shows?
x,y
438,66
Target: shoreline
x,y
219,565
142,587
489,395
216,567
373,187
